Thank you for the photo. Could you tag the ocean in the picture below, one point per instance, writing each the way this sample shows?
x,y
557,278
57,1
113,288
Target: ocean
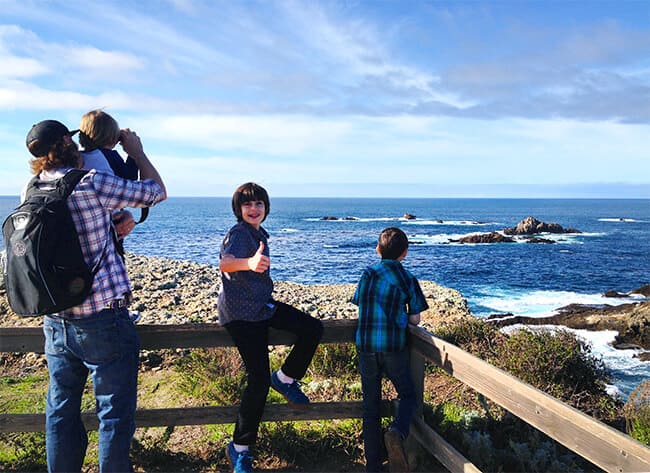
x,y
612,252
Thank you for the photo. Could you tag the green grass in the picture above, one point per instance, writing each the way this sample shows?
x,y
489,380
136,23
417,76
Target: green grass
x,y
637,413
23,395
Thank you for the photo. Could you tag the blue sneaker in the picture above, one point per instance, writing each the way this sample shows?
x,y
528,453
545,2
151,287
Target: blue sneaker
x,y
291,392
240,462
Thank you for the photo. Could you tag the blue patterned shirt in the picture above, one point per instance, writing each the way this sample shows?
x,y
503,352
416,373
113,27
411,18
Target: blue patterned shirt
x,y
245,295
386,295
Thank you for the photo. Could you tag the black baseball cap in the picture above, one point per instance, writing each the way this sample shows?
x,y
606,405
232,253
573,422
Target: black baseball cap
x,y
44,135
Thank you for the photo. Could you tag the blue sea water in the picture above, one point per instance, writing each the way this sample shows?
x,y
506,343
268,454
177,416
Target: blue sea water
x,y
612,252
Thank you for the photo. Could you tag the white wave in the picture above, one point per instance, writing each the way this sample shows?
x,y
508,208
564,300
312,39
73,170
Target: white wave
x,y
445,238
289,230
439,239
406,221
621,219
353,219
544,303
330,246
447,222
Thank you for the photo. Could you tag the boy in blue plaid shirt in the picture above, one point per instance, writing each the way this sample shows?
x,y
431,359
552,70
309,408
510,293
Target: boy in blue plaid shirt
x,y
389,298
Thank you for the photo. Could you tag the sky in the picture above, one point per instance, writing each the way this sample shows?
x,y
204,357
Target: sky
x,y
376,98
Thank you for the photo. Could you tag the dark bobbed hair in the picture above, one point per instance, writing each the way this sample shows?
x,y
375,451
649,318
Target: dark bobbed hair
x,y
246,193
392,243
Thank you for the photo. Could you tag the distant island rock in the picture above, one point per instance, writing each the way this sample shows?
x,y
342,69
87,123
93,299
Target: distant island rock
x,y
532,226
527,228
492,237
409,216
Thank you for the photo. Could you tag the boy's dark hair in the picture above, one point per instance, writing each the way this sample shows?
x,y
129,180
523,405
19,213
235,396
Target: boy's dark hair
x,y
392,243
246,193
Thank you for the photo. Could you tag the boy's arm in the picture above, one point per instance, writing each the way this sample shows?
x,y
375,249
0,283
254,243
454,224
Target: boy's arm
x,y
417,302
258,262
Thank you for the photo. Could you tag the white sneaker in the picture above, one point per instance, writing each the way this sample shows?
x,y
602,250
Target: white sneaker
x,y
134,316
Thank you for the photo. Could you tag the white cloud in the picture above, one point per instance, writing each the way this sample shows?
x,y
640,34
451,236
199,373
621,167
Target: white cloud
x,y
18,68
96,60
19,95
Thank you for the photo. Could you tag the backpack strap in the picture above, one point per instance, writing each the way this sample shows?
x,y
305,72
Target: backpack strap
x,y
144,213
69,181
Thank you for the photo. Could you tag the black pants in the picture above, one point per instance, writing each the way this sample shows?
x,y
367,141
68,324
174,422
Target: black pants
x,y
251,339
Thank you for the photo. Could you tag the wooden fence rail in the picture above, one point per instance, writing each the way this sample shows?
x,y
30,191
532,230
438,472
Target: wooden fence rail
x,y
607,448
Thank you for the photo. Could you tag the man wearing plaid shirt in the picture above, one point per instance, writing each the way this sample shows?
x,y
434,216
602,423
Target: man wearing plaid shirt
x,y
97,336
388,297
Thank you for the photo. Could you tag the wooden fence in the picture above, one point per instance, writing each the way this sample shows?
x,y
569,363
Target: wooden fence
x,y
602,445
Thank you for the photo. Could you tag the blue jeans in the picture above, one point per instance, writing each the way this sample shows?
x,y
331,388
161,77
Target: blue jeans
x,y
106,345
373,367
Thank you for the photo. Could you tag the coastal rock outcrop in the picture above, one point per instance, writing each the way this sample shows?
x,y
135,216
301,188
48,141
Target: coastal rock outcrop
x,y
631,321
640,291
532,226
409,216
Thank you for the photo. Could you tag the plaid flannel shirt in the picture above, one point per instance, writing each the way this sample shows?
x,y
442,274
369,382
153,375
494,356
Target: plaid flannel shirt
x,y
386,295
91,204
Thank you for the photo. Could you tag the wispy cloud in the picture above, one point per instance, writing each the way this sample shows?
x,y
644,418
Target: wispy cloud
x,y
349,91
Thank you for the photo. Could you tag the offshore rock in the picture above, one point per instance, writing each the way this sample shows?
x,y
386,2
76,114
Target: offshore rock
x,y
492,237
531,226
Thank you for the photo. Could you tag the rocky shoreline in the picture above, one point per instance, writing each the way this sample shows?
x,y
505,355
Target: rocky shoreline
x,y
167,291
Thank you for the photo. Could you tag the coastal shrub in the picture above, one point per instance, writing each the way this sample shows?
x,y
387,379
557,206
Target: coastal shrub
x,y
212,374
554,361
505,445
474,336
335,360
637,413
562,365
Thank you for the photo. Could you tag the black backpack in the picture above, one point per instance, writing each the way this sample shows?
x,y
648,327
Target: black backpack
x,y
45,268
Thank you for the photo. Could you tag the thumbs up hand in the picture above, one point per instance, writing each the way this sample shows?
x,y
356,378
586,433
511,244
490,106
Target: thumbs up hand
x,y
259,262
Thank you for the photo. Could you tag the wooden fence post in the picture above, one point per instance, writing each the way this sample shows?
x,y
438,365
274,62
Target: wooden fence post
x,y
417,375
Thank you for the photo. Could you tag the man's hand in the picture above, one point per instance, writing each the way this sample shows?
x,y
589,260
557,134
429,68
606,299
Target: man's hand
x,y
123,222
131,144
259,262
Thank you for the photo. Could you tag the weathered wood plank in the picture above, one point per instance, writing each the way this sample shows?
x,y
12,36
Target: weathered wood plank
x,y
201,416
433,443
602,445
30,339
